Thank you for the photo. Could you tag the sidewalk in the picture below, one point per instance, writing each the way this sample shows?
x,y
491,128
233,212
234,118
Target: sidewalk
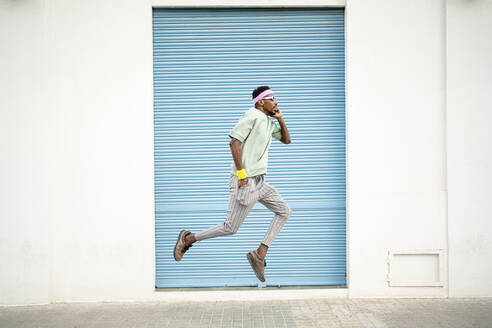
x,y
336,312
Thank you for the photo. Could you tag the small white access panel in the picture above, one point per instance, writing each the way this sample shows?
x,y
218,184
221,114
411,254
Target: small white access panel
x,y
416,268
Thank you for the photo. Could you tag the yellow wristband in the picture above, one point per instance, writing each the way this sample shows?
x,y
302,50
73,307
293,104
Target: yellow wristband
x,y
241,174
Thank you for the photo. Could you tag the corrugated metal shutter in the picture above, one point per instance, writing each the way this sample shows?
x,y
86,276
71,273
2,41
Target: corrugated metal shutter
x,y
206,64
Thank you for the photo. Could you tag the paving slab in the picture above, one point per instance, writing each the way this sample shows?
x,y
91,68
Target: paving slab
x,y
337,312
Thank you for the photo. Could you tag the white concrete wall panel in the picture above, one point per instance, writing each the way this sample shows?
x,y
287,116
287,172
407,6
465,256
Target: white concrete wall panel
x,y
395,137
102,77
24,146
469,118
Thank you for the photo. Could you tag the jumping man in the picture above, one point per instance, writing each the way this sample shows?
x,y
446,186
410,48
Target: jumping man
x,y
250,141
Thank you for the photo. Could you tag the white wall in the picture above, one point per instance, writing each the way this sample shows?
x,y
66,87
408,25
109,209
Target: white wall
x,y
469,86
76,192
77,151
25,209
395,138
102,77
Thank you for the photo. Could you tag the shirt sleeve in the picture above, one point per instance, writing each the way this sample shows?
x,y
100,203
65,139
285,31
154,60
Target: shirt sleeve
x,y
277,132
243,128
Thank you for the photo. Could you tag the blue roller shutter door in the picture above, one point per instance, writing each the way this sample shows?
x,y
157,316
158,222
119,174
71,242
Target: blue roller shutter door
x,y
206,63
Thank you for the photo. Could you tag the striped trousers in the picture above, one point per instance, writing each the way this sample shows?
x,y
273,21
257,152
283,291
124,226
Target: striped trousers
x,y
257,189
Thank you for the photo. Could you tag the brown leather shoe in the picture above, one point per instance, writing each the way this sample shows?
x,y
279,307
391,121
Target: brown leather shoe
x,y
180,248
258,264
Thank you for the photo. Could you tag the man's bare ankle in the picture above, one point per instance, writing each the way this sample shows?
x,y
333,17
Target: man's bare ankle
x,y
262,250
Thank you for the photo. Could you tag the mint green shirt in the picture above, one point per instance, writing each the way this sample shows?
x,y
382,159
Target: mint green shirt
x,y
255,131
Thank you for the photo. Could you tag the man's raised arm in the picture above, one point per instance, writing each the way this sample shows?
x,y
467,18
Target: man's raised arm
x,y
283,127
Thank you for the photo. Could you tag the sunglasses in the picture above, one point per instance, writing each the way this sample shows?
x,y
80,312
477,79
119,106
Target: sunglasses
x,y
270,98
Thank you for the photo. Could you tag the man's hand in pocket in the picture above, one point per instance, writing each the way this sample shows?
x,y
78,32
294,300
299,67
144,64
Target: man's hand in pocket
x,y
242,182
